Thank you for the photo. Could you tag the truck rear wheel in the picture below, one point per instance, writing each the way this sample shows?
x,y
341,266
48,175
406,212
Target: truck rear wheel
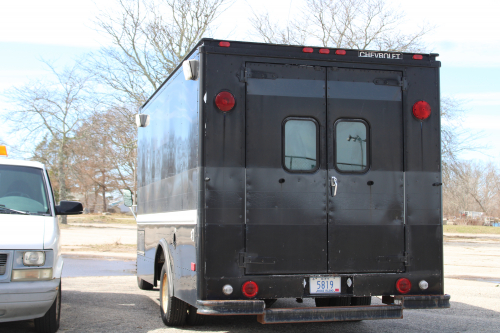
x,y
193,318
49,323
173,310
143,284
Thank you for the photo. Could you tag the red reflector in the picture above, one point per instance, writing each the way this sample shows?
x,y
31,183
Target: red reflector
x,y
340,52
250,289
418,57
224,44
421,110
403,285
307,50
225,101
324,51
193,267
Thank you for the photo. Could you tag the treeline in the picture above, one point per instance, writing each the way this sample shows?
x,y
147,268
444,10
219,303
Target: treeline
x,y
79,120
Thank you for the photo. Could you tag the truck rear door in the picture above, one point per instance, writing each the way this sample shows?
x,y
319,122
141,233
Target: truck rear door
x,y
308,128
365,159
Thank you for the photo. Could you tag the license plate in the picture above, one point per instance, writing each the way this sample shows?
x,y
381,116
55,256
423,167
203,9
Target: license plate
x,y
324,285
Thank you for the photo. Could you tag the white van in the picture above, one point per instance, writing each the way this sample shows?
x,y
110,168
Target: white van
x,y
30,251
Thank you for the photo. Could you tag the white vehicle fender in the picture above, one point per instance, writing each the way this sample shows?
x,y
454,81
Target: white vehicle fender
x,y
58,267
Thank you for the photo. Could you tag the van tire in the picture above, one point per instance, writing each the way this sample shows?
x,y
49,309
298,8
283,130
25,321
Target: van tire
x,y
193,318
49,323
143,285
173,311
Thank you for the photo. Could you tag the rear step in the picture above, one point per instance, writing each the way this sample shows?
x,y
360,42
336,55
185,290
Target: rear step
x,y
323,314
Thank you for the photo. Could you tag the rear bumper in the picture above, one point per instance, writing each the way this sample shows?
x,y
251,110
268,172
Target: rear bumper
x,y
419,301
26,300
393,309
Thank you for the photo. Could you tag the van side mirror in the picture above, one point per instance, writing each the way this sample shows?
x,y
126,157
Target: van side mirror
x,y
69,208
127,198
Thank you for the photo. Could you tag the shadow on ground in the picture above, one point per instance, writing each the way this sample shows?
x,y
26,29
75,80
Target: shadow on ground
x,y
128,312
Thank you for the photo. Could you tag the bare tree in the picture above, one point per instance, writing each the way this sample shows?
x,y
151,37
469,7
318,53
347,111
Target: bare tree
x,y
471,186
149,38
108,161
354,24
51,110
455,139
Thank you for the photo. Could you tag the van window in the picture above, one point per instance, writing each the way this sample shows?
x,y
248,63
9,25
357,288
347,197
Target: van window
x,y
22,189
300,145
351,145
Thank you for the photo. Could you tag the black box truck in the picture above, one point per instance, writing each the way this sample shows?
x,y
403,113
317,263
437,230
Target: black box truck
x,y
273,171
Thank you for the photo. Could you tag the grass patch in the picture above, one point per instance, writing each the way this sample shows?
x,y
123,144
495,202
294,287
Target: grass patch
x,y
104,219
471,229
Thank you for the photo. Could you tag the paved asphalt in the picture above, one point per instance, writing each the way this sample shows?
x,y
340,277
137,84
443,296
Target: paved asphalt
x,y
101,296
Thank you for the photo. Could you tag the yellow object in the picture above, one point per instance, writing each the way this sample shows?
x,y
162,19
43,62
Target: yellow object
x,y
3,151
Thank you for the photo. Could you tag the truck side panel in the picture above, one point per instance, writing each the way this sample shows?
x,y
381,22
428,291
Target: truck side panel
x,y
168,171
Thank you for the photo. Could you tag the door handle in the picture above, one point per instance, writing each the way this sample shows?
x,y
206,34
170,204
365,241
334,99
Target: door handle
x,y
333,184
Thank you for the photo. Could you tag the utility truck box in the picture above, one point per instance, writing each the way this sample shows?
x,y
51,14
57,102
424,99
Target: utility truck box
x,y
269,171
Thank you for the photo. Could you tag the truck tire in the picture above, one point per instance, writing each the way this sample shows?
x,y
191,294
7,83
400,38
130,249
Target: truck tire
x,y
173,311
363,300
193,318
49,323
143,284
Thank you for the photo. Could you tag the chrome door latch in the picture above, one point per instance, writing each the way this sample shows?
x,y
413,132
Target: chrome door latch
x,y
333,184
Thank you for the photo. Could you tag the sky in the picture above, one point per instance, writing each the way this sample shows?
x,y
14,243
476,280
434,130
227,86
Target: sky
x,y
466,35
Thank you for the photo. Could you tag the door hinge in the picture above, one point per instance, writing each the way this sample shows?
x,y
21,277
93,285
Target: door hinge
x,y
392,82
400,258
253,258
403,83
247,73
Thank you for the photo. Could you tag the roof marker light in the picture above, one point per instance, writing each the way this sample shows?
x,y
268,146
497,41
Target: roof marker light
x,y
418,57
340,52
224,44
324,51
421,110
307,50
3,151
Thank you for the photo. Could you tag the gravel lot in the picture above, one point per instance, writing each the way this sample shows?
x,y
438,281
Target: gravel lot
x,y
115,304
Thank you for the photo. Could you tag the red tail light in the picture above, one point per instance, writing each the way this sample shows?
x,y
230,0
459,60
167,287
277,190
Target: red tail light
x,y
421,110
340,52
224,44
307,50
403,285
250,289
324,51
225,101
418,57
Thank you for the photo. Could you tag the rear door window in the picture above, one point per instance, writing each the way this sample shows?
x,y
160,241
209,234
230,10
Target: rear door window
x,y
351,145
301,136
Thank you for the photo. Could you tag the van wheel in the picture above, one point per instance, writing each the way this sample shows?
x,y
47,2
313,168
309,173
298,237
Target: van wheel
x,y
193,318
49,323
364,300
143,284
173,310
